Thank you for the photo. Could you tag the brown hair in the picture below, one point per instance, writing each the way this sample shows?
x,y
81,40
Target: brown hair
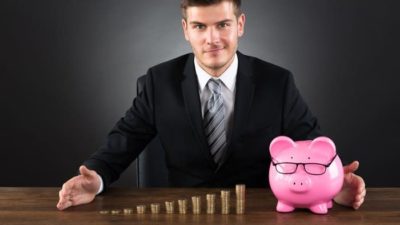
x,y
188,3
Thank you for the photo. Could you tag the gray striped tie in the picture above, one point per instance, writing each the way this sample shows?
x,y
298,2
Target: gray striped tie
x,y
214,124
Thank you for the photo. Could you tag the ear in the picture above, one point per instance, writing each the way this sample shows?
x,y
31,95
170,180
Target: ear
x,y
279,144
241,22
185,29
324,145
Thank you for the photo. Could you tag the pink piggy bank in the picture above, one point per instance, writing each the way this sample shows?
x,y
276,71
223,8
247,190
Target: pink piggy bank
x,y
305,174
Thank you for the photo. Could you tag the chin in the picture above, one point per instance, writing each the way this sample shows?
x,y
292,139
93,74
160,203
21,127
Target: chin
x,y
216,63
215,66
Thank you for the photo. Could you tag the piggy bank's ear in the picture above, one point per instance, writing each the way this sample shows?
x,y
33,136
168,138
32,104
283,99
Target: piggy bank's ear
x,y
279,144
325,145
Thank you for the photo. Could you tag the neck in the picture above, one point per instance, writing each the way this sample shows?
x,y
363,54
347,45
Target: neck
x,y
216,72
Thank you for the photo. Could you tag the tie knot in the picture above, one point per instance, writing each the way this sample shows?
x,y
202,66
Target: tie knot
x,y
215,86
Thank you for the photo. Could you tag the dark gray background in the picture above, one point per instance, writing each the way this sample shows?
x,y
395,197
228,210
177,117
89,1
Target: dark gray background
x,y
69,67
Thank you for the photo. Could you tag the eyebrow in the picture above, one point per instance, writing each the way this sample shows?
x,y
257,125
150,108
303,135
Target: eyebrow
x,y
200,23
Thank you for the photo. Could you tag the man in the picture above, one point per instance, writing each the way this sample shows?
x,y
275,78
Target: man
x,y
215,111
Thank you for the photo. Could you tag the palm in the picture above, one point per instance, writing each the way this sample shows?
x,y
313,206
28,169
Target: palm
x,y
346,195
85,190
353,190
79,190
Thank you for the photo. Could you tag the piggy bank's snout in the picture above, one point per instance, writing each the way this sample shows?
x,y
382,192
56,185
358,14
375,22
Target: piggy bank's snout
x,y
299,183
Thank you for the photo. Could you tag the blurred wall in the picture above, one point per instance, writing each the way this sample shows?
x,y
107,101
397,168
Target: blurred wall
x,y
68,72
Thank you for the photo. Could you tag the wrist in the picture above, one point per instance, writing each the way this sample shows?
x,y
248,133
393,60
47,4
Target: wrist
x,y
101,186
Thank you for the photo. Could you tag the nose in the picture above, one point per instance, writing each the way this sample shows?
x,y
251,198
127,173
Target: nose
x,y
300,181
213,36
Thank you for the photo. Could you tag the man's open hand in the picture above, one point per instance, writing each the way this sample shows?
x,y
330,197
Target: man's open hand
x,y
80,189
353,191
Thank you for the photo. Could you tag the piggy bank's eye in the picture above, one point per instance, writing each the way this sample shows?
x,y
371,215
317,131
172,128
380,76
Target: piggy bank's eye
x,y
309,157
291,157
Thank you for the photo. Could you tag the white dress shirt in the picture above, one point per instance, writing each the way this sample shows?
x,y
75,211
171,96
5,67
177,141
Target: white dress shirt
x,y
228,79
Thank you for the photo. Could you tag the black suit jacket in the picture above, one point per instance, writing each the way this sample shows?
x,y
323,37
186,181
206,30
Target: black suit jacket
x,y
267,104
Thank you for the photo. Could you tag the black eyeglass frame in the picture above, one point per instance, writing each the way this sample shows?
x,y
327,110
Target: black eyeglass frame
x,y
304,166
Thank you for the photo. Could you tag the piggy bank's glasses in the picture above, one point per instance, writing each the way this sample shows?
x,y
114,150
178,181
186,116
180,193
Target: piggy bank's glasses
x,y
310,168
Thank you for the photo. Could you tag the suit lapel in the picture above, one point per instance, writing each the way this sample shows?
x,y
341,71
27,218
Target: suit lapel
x,y
191,98
243,100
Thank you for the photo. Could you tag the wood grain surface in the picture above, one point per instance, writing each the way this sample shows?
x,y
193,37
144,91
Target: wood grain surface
x,y
38,206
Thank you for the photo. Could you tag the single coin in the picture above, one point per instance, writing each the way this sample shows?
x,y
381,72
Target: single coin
x,y
115,211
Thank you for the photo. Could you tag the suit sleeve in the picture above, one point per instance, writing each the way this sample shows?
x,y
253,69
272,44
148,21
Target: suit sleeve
x,y
127,139
298,121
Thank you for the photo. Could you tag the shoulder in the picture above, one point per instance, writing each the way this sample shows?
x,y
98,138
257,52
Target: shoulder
x,y
175,65
262,70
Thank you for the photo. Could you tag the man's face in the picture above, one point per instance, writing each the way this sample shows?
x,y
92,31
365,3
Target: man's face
x,y
213,33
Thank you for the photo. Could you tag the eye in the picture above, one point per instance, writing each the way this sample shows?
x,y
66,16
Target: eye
x,y
199,26
223,25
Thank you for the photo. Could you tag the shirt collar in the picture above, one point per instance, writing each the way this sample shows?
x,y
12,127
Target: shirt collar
x,y
228,77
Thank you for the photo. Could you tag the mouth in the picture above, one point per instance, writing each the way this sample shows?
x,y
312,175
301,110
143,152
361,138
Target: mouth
x,y
214,50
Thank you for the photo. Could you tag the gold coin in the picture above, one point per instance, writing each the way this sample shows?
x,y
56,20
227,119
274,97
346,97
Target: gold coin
x,y
115,211
141,209
128,211
182,203
155,208
169,206
104,212
196,204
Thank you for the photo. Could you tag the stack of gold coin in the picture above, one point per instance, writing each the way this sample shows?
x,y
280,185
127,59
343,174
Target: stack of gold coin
x,y
210,203
104,212
155,208
196,204
240,198
128,211
225,198
169,207
141,209
115,211
182,203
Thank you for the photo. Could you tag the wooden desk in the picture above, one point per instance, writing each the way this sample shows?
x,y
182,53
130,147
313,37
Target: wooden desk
x,y
38,206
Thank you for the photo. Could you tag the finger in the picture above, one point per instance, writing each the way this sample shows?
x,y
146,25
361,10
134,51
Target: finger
x,y
61,203
357,204
86,172
64,195
64,204
364,193
356,182
65,191
69,185
359,198
352,167
361,184
361,195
